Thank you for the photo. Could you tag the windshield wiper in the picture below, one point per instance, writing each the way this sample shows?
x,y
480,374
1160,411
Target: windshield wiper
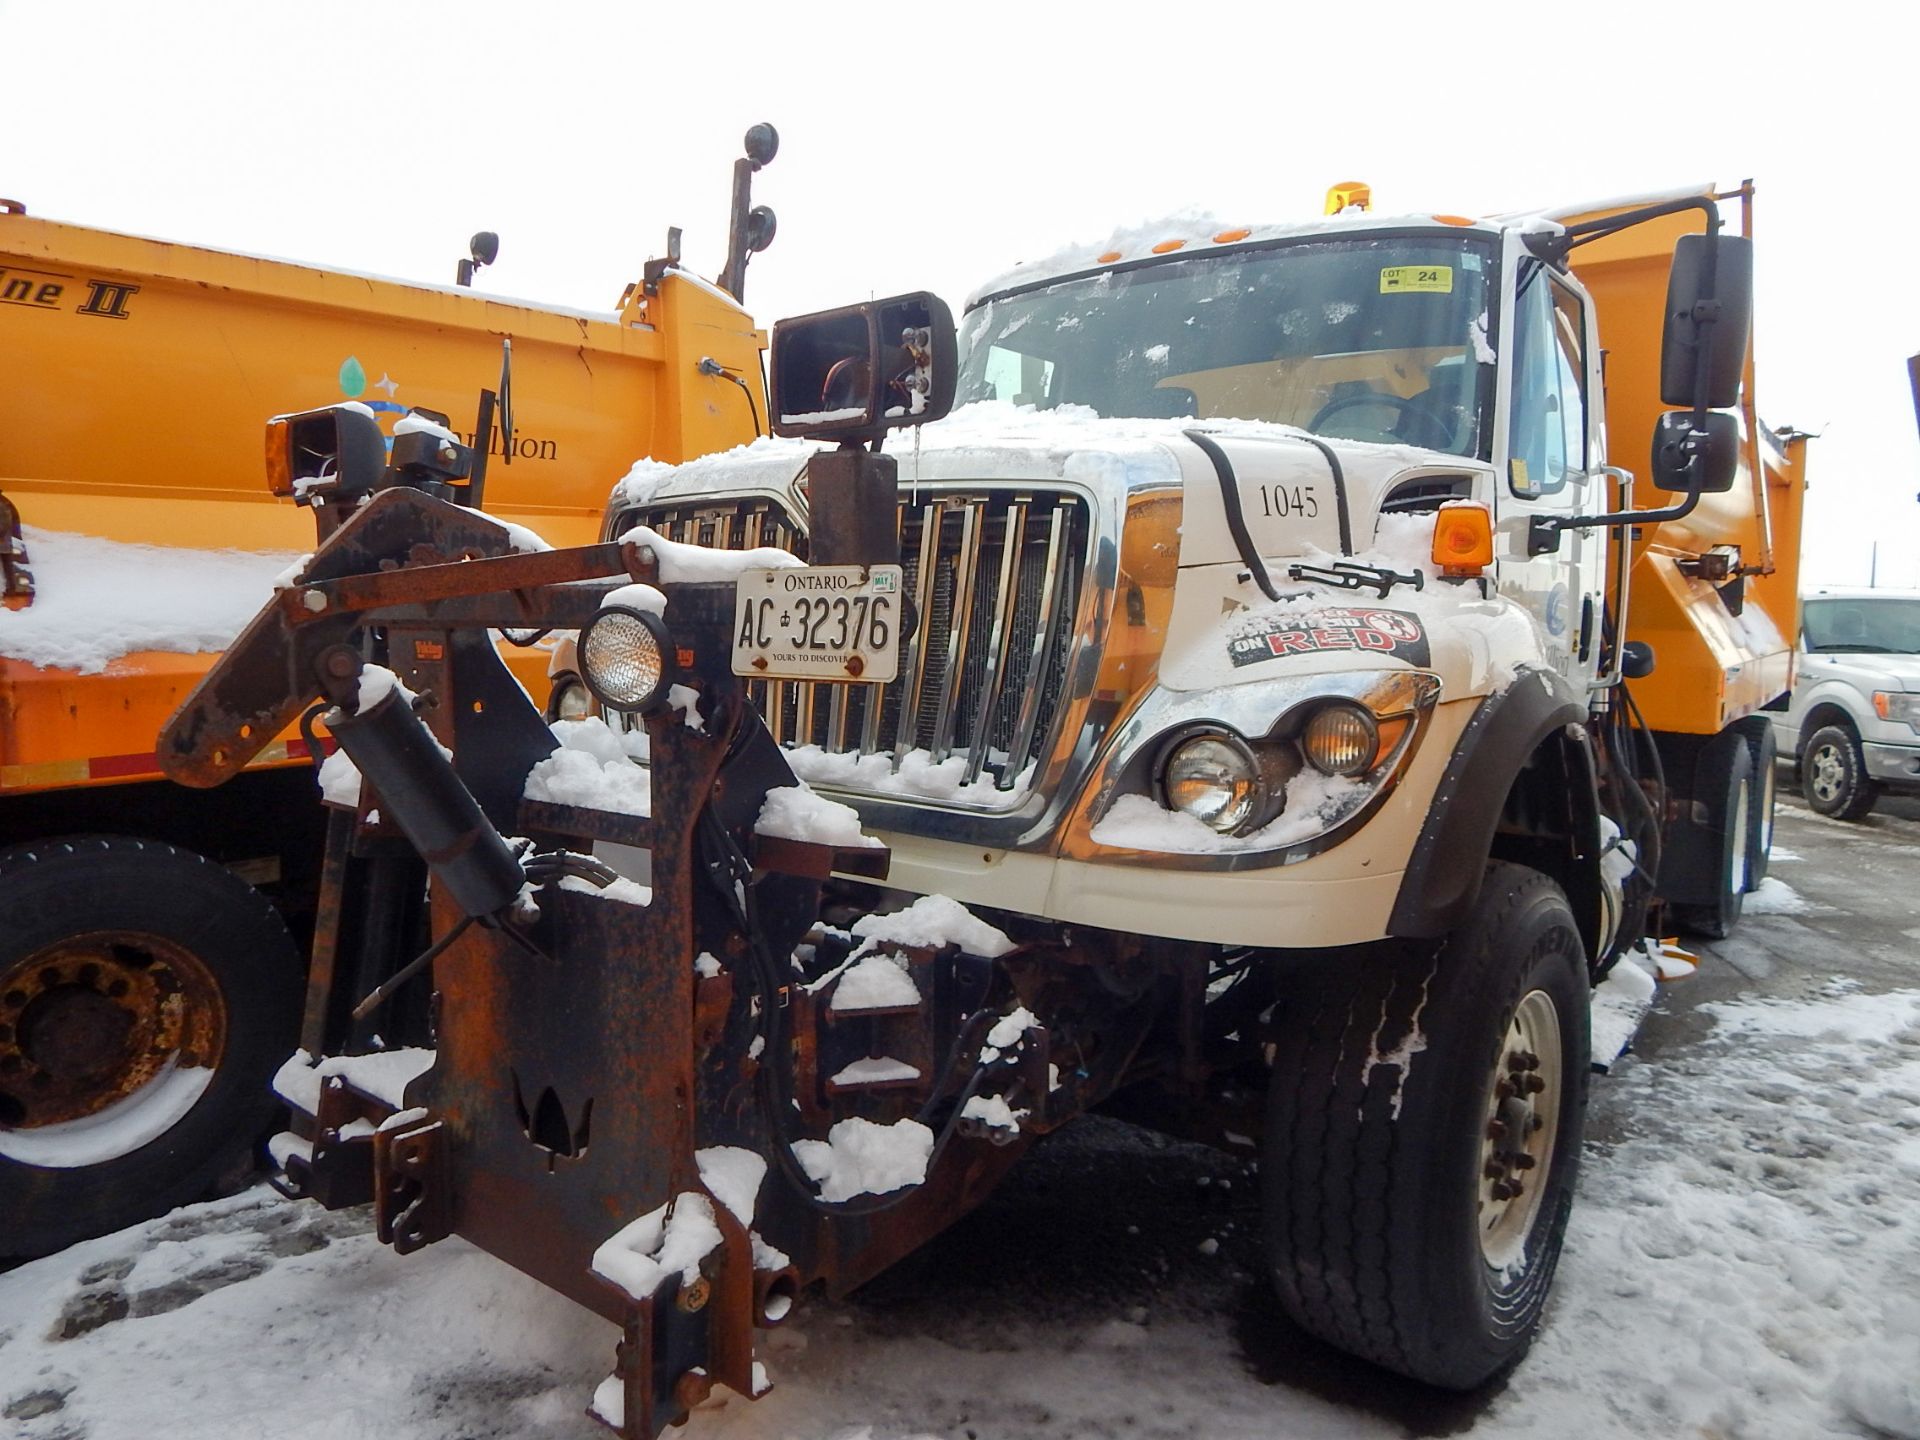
x,y
1347,575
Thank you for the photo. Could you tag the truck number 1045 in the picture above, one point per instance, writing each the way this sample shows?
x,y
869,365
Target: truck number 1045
x,y
1281,502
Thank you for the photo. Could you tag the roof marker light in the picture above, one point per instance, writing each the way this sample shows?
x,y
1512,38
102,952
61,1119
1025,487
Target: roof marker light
x,y
1108,258
1456,220
1227,237
1167,247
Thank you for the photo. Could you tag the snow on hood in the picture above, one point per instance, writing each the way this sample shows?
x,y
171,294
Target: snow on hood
x,y
996,439
1476,646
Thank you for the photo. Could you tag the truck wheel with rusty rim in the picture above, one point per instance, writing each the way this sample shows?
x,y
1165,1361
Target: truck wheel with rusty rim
x,y
1423,1136
146,997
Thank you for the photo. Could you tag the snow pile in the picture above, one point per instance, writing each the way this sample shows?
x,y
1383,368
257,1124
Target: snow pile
x,y
384,1075
636,487
876,1070
1313,804
340,780
917,776
1007,1033
794,812
1776,897
681,564
1619,1004
376,683
620,890
930,922
993,1112
98,601
734,1175
859,1157
874,982
645,598
643,1254
595,768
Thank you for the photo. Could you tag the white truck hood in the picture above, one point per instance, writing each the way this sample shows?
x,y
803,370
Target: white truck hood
x,y
1869,672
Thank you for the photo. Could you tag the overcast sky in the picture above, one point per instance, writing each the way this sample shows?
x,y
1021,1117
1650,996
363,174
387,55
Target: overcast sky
x,y
931,146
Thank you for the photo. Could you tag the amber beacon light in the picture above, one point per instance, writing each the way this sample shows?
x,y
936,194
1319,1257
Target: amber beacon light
x,y
1462,539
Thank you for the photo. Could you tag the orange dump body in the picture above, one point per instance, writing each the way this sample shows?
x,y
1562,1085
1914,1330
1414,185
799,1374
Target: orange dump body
x,y
1721,653
139,377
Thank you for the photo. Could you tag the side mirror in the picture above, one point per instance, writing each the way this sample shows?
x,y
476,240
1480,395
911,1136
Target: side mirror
x,y
1716,453
857,372
1716,316
335,450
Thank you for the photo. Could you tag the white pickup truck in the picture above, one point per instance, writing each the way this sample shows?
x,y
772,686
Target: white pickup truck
x,y
1852,726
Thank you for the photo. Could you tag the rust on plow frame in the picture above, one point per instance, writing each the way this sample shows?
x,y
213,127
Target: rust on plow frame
x,y
590,1084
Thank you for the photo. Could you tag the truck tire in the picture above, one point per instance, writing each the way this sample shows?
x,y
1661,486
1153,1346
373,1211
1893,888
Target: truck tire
x,y
146,997
1405,1095
1765,751
1834,774
1725,784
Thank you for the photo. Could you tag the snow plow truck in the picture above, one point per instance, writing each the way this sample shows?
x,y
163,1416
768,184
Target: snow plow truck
x,y
1266,708
151,939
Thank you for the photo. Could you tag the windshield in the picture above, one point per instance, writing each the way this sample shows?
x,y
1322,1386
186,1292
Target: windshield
x,y
1869,625
1380,339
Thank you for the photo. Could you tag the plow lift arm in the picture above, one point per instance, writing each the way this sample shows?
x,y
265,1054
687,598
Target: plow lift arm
x,y
621,1075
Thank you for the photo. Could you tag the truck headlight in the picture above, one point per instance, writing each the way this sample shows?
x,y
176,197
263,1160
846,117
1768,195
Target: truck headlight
x,y
569,699
624,658
1898,706
1341,739
1213,778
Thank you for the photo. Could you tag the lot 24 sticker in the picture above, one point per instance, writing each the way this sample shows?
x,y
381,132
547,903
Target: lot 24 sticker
x,y
1380,632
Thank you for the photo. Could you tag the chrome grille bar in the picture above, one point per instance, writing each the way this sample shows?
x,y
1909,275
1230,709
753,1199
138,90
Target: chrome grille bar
x,y
1012,541
1036,676
960,634
933,518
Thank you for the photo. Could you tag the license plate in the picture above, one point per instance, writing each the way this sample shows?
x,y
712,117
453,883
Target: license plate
x,y
818,622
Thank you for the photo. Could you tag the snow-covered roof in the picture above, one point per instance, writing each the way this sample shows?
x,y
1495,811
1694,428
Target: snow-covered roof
x,y
1198,232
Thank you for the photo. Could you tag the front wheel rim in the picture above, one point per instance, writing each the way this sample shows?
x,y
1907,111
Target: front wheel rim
x,y
1827,774
1522,1127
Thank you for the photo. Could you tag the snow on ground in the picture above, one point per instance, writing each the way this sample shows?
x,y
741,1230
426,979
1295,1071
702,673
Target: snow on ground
x,y
1776,897
1744,1262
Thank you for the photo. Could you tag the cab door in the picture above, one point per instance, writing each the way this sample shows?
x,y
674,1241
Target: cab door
x,y
1548,455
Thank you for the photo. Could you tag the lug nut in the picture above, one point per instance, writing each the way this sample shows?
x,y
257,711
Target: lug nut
x,y
1496,1130
1532,1085
1524,1162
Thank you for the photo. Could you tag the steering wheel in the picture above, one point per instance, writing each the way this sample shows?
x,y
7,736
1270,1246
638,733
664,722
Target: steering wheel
x,y
1440,430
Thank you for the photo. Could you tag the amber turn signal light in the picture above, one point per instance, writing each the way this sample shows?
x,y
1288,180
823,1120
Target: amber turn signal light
x,y
1462,538
279,457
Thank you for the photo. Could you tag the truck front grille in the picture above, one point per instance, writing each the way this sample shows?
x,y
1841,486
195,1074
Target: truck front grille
x,y
996,581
